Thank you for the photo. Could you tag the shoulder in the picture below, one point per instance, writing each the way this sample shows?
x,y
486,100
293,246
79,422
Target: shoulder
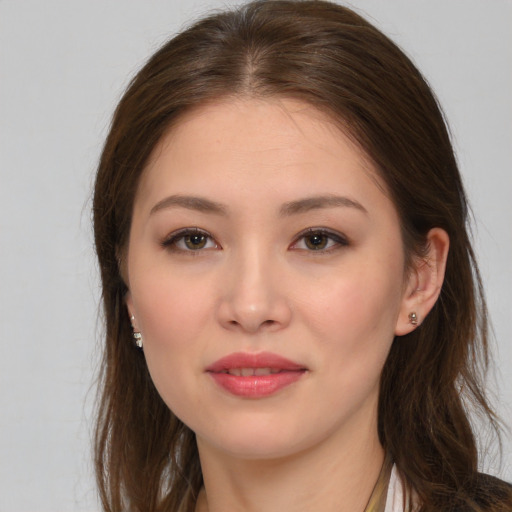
x,y
485,493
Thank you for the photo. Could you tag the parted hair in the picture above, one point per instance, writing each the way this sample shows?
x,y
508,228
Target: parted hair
x,y
328,56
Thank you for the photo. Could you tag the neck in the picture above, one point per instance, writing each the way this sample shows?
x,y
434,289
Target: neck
x,y
336,476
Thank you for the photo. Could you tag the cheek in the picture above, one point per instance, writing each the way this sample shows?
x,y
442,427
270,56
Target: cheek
x,y
356,330
354,320
173,319
170,308
355,304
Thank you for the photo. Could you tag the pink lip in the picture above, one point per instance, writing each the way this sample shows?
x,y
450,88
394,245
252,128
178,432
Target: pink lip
x,y
255,386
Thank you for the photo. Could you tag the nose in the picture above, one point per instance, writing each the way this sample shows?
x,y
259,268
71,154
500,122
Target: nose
x,y
253,299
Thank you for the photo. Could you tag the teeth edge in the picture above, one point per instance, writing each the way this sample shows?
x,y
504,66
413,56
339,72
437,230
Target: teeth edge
x,y
250,372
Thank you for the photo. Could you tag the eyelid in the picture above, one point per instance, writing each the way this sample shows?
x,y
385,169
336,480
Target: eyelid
x,y
170,240
340,239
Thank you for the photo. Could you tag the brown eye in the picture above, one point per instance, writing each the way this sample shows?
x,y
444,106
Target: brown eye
x,y
195,241
319,240
189,240
316,241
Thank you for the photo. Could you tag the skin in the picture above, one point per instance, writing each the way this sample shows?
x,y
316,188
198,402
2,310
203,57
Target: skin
x,y
256,285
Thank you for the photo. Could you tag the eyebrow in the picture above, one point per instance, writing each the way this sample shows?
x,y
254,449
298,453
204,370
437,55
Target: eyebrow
x,y
319,202
305,205
190,203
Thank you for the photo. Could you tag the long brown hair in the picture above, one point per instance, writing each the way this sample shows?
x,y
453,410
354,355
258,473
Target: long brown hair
x,y
331,58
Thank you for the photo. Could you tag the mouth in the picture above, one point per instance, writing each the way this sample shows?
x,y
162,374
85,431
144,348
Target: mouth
x,y
250,372
255,375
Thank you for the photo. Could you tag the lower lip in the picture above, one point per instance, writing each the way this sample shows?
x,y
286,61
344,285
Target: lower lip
x,y
256,386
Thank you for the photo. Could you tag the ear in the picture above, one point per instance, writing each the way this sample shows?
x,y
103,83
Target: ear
x,y
131,310
424,283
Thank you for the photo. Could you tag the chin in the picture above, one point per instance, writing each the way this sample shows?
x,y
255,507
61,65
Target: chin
x,y
258,438
254,448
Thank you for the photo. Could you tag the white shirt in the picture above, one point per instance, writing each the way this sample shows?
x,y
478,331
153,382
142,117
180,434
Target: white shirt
x,y
395,497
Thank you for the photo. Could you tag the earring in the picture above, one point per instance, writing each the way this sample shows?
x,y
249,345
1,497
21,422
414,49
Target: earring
x,y
413,318
137,336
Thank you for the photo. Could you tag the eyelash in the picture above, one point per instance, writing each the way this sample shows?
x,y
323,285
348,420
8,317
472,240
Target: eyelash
x,y
337,240
171,241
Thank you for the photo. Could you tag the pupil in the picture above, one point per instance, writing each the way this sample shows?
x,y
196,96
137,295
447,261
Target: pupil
x,y
195,241
316,241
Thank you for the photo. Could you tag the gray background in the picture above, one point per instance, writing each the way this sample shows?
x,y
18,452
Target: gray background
x,y
63,66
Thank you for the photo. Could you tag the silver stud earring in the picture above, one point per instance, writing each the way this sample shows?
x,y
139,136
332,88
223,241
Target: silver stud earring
x,y
137,336
413,318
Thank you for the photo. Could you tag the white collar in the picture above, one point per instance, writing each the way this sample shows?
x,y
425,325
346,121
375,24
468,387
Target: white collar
x,y
395,498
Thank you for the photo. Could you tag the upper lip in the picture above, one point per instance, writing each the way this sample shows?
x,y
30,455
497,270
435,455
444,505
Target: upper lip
x,y
254,360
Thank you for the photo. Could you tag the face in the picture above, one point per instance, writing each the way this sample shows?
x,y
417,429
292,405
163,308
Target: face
x,y
266,274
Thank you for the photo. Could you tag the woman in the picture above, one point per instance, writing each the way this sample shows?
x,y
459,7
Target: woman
x,y
294,317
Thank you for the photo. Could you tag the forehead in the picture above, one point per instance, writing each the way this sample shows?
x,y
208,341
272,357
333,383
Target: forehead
x,y
251,145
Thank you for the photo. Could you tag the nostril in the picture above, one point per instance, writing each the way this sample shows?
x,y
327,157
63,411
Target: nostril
x,y
239,313
258,325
